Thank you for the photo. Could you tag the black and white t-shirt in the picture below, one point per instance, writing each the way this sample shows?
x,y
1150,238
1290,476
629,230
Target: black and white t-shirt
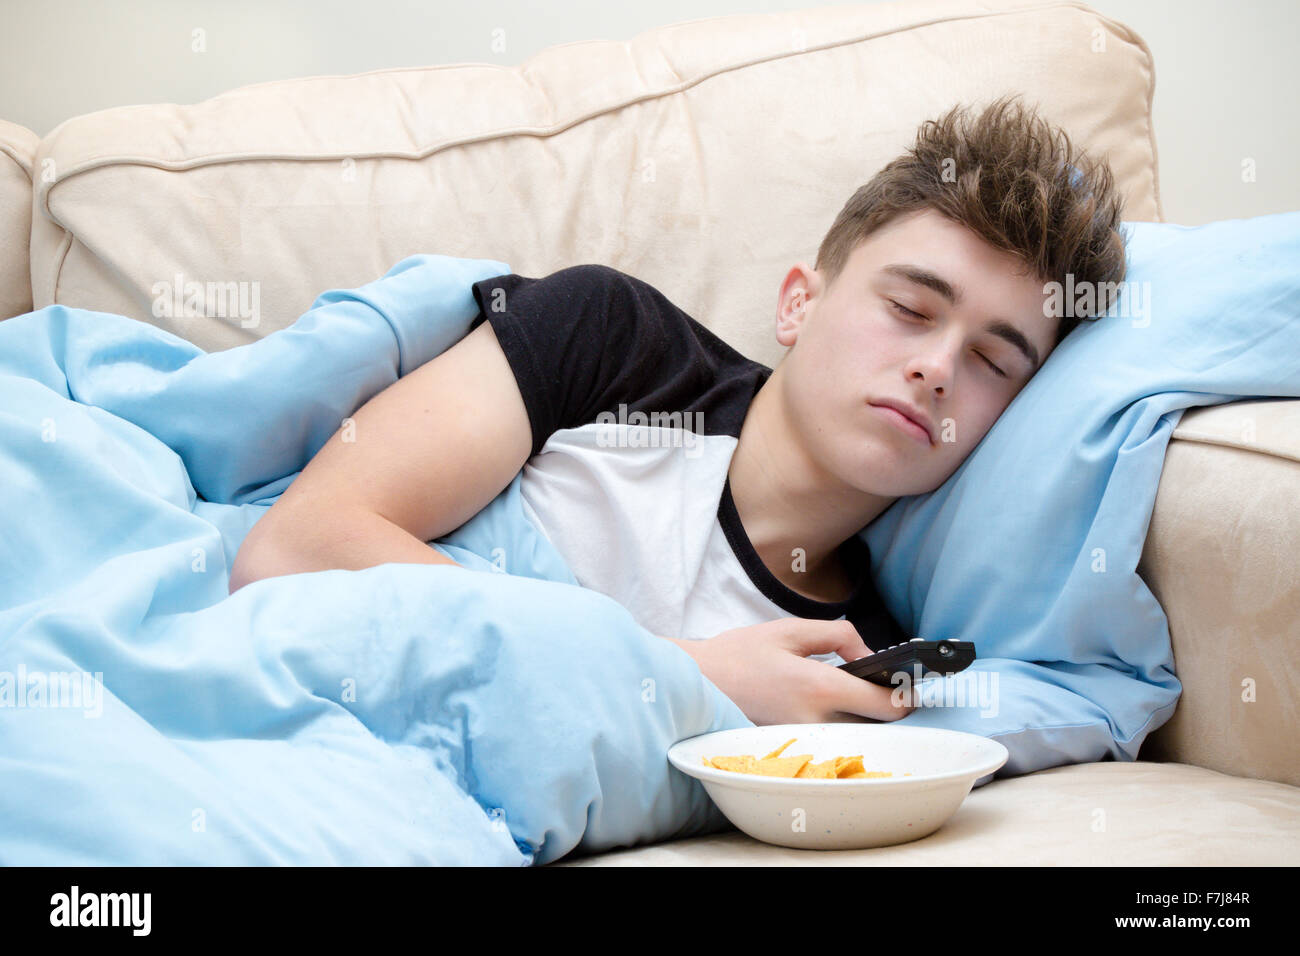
x,y
635,411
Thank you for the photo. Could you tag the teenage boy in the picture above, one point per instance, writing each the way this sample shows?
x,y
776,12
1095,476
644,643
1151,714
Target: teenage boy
x,y
717,499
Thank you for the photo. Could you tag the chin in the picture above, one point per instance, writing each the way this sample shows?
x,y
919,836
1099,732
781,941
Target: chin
x,y
933,487
937,482
874,477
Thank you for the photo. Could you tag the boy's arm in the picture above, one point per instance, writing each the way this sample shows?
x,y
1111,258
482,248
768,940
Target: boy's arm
x,y
425,455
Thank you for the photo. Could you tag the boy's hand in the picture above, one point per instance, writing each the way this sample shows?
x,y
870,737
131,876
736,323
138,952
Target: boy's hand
x,y
763,669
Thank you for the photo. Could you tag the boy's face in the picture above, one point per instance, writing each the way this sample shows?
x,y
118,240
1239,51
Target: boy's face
x,y
857,349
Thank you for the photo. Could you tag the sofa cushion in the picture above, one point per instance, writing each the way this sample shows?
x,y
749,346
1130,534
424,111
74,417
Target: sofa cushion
x,y
705,157
1099,814
17,150
1221,562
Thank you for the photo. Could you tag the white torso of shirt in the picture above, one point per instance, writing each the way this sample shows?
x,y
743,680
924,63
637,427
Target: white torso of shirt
x,y
633,510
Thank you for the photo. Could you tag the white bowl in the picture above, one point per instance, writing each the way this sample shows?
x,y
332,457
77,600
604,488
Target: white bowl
x,y
843,814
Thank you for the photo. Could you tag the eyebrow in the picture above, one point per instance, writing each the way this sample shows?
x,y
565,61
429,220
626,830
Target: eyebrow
x,y
937,283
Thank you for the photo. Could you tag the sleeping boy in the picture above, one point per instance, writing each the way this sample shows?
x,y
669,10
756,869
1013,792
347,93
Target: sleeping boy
x,y
719,500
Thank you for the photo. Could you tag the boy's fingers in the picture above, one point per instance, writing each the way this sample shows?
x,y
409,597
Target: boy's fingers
x,y
857,696
853,646
821,637
842,691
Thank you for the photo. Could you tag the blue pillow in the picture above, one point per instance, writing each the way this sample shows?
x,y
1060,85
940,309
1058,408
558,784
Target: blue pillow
x,y
1030,548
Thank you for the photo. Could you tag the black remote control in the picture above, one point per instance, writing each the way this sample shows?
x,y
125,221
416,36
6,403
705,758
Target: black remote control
x,y
916,657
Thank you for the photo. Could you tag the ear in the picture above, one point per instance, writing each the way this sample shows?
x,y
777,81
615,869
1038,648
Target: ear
x,y
799,289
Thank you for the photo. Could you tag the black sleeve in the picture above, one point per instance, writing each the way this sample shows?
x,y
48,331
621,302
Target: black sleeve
x,y
579,341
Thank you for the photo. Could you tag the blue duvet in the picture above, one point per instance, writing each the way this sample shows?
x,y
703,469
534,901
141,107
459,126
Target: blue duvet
x,y
402,714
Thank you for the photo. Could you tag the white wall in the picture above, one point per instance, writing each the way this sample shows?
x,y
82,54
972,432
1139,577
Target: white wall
x,y
1226,72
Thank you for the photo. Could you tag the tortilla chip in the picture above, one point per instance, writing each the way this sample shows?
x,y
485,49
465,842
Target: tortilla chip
x,y
844,766
743,764
781,766
818,771
777,751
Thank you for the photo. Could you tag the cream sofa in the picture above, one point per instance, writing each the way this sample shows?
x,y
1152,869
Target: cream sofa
x,y
706,157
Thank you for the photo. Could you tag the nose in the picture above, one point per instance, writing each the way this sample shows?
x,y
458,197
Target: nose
x,y
935,366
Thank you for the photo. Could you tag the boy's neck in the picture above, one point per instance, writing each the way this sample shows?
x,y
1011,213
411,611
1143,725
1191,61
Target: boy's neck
x,y
786,501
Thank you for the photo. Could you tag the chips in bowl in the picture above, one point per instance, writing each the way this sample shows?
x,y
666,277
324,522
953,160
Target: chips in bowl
x,y
800,766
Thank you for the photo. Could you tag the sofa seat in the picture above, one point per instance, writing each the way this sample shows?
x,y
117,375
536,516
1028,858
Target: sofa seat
x,y
1100,814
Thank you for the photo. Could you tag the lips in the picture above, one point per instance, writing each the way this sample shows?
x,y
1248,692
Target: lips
x,y
911,416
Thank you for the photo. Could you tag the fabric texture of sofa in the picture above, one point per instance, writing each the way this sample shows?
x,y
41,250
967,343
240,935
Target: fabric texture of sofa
x,y
706,157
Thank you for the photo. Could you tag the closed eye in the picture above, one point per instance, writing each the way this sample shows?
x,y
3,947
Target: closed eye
x,y
905,310
917,315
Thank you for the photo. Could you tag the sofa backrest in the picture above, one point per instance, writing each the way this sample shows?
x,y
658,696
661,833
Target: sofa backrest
x,y
705,157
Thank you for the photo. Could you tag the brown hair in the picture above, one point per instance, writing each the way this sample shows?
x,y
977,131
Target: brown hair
x,y
1013,180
